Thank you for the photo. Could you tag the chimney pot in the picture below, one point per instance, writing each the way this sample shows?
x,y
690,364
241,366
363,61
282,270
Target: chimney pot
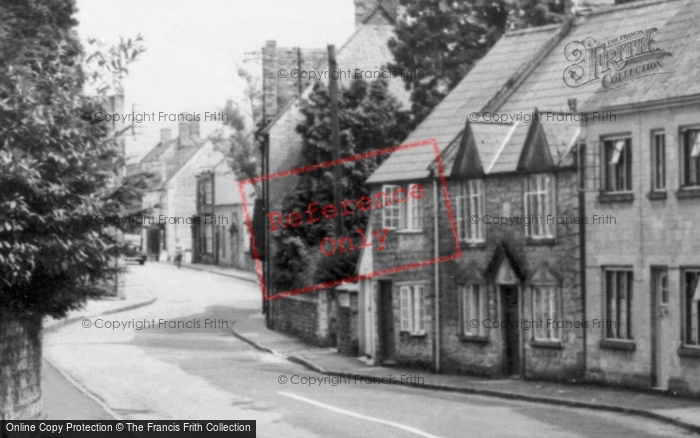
x,y
184,132
194,130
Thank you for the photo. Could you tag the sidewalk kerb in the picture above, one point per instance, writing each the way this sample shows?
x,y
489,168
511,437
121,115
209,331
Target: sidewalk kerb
x,y
488,392
225,274
65,322
255,344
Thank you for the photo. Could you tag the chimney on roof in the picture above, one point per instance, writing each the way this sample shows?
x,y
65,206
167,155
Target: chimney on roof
x,y
194,130
270,76
166,134
183,132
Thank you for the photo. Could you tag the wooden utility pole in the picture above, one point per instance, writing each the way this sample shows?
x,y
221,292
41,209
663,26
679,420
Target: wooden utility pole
x,y
335,137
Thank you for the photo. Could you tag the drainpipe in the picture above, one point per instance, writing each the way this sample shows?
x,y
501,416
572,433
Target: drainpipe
x,y
436,246
582,269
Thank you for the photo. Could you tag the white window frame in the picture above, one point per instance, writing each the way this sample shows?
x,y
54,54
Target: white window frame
x,y
658,161
470,203
208,189
539,205
473,307
404,216
391,214
412,309
691,309
690,156
618,321
546,309
612,167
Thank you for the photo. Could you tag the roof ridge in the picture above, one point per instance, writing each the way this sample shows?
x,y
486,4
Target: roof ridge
x,y
532,29
626,6
523,72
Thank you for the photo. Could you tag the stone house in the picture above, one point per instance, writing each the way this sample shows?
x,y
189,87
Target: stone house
x,y
172,199
643,175
313,316
487,311
219,232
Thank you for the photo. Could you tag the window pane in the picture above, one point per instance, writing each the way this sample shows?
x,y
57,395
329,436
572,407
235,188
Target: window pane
x,y
610,303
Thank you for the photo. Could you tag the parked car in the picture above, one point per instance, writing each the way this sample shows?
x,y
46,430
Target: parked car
x,y
134,249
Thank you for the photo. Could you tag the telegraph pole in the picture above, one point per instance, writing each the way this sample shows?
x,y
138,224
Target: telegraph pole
x,y
335,138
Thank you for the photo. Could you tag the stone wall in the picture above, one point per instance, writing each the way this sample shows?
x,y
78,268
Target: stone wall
x,y
504,197
299,316
20,367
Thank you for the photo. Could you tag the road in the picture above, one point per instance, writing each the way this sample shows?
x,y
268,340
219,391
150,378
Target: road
x,y
205,373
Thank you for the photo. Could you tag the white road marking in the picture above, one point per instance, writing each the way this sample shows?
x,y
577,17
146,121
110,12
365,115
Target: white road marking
x,y
360,416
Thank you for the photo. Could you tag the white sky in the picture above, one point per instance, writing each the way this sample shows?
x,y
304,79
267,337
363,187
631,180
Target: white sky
x,y
193,48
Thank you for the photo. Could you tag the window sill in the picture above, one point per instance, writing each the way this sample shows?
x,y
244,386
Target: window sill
x,y
657,195
688,192
409,231
687,351
606,197
413,335
546,344
476,339
472,245
618,344
543,241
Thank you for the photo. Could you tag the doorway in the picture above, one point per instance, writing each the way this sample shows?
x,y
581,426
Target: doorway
x,y
511,331
154,243
385,323
659,318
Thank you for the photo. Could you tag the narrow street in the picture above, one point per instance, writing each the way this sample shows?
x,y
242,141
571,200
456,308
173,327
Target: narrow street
x,y
206,373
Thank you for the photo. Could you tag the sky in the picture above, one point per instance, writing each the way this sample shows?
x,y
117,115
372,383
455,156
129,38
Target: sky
x,y
193,48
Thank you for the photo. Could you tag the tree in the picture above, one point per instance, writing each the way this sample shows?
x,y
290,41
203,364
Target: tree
x,y
443,39
244,118
370,118
58,170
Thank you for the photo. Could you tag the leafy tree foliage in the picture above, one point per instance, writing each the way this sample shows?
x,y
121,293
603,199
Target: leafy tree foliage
x,y
370,118
243,118
55,168
443,39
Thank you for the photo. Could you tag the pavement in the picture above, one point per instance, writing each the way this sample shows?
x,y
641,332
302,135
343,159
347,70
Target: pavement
x,y
62,397
679,411
220,270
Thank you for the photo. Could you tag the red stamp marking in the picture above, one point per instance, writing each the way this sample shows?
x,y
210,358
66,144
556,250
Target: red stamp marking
x,y
329,245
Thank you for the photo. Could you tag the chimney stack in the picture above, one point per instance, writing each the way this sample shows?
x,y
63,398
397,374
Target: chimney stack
x,y
194,130
270,77
184,132
165,135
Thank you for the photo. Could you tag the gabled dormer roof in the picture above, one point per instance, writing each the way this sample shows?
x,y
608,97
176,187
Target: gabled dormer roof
x,y
535,155
467,163
525,70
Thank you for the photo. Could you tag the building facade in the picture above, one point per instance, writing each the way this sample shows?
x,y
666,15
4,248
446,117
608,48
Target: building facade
x,y
219,231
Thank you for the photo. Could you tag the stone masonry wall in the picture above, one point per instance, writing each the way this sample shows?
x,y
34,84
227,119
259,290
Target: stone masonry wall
x,y
403,248
504,197
20,367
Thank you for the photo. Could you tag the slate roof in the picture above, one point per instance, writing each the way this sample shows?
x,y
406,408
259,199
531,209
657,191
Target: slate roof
x,y
679,33
545,89
502,72
500,145
155,153
447,120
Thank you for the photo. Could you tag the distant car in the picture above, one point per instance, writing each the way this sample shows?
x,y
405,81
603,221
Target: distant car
x,y
134,253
